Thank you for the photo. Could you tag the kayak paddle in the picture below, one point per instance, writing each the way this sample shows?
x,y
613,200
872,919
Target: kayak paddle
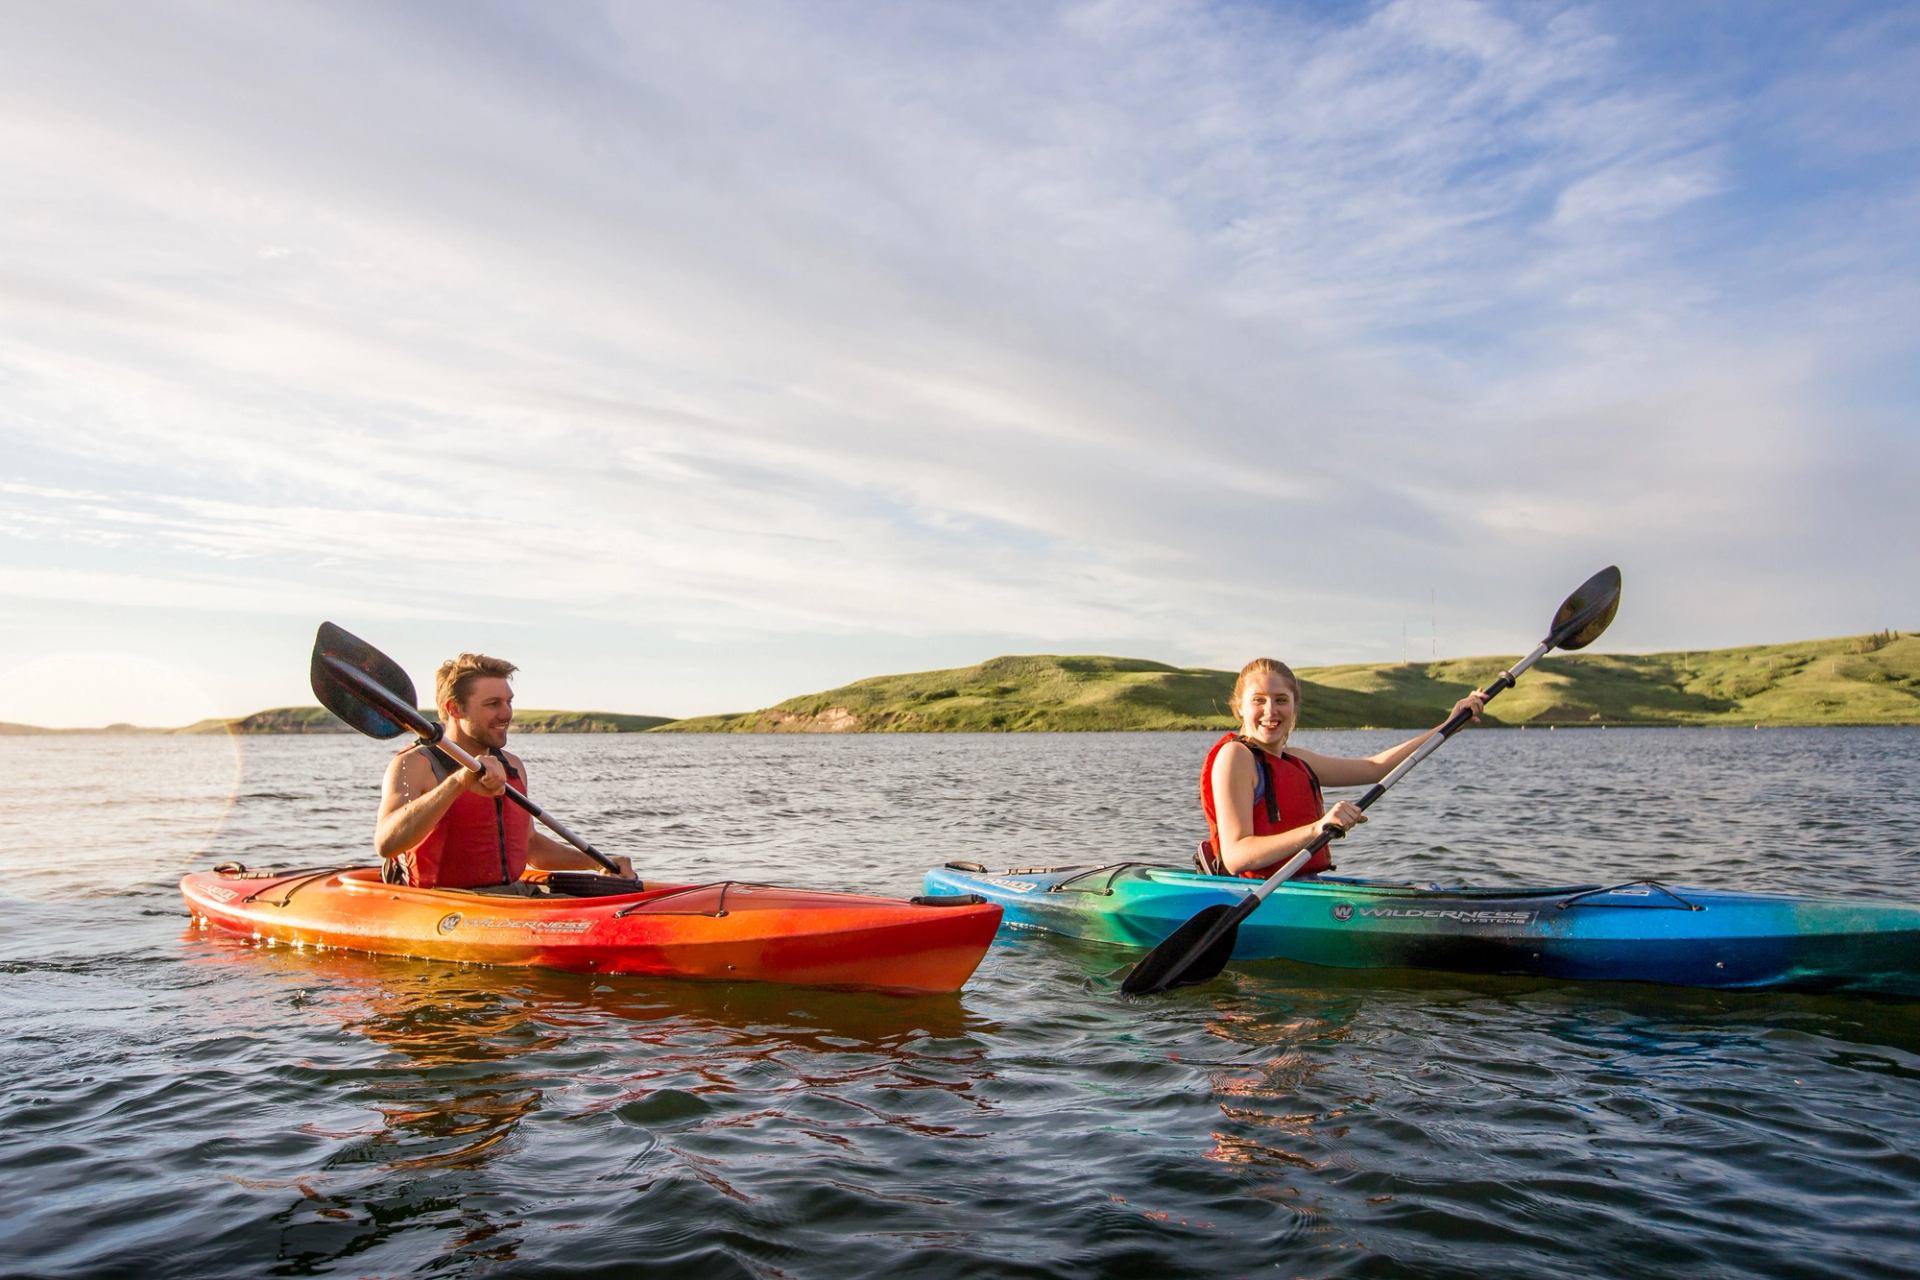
x,y
368,690
1200,948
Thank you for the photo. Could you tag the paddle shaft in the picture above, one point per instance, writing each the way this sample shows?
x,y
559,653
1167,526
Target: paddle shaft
x,y
435,735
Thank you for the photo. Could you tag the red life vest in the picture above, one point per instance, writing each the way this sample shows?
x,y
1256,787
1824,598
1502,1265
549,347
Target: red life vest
x,y
1286,795
478,842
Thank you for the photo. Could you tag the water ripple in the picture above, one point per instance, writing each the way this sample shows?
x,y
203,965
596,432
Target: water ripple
x,y
183,1106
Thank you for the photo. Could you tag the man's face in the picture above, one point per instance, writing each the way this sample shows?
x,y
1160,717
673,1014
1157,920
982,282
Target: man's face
x,y
487,711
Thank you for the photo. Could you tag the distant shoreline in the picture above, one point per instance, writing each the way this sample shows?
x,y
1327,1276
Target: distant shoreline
x,y
138,731
1847,682
318,720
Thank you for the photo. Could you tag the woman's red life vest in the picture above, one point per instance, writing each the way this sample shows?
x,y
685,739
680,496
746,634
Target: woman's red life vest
x,y
1286,795
478,842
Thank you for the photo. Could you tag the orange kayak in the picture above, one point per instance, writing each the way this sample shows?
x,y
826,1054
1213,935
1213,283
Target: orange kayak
x,y
728,931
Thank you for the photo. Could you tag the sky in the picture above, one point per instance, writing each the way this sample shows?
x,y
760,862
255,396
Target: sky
x,y
694,357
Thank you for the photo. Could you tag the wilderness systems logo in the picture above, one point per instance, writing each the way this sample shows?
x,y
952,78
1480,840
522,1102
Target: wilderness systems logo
x,y
454,920
1344,912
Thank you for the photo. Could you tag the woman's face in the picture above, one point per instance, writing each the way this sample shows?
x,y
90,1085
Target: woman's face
x,y
1267,708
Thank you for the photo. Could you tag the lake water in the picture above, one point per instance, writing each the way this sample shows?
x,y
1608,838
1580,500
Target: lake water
x,y
179,1105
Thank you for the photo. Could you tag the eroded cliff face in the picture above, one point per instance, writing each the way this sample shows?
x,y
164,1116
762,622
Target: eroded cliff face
x,y
284,720
828,720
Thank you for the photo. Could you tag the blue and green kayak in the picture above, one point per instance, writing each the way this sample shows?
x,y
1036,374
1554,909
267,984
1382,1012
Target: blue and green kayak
x,y
1645,931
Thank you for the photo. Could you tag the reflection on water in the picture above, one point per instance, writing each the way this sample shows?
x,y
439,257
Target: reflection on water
x,y
449,1082
1277,1124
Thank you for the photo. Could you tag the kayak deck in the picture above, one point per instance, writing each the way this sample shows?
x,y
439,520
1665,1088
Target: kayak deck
x,y
730,930
1643,931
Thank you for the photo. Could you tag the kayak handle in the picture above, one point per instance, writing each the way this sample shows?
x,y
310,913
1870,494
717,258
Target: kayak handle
x,y
1678,901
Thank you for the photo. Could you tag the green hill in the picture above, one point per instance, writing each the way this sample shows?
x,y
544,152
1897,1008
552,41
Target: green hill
x,y
1857,680
1871,679
584,722
1039,692
278,720
320,720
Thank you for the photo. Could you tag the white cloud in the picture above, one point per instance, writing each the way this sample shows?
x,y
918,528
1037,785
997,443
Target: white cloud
x,y
1039,323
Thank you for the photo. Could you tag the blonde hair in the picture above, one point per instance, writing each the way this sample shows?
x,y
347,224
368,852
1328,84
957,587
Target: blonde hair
x,y
454,680
1263,666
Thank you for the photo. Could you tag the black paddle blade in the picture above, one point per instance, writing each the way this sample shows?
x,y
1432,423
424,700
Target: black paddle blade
x,y
1587,611
1195,952
358,701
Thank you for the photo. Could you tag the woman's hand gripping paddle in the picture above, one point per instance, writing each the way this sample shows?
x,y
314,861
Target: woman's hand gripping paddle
x,y
1201,947
368,690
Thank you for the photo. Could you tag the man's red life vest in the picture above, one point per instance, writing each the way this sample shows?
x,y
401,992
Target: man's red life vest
x,y
1287,795
478,842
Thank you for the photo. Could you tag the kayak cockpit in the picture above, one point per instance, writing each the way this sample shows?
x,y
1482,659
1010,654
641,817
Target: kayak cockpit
x,y
276,886
1101,879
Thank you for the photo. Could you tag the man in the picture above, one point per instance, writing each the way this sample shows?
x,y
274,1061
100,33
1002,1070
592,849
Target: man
x,y
442,825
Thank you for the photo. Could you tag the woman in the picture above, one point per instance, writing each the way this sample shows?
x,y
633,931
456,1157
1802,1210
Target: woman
x,y
1263,801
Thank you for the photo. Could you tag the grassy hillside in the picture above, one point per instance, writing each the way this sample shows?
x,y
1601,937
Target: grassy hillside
x,y
278,720
584,722
1871,679
1852,680
320,720
1046,692
1038,692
